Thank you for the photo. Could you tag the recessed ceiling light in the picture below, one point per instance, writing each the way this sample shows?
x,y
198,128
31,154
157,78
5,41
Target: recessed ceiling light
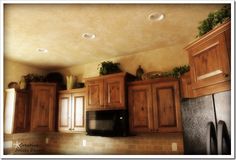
x,y
88,35
42,50
156,16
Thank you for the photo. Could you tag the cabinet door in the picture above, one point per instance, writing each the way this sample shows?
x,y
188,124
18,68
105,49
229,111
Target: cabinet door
x,y
95,94
140,108
209,61
42,109
114,94
78,111
166,106
64,117
21,123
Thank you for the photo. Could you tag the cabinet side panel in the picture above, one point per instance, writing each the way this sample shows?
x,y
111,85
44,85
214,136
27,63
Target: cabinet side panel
x,y
9,111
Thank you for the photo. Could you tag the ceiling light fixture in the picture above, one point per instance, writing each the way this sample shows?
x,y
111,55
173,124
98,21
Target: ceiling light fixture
x,y
156,16
42,50
88,35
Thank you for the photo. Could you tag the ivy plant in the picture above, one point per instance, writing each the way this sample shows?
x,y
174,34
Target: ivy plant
x,y
213,19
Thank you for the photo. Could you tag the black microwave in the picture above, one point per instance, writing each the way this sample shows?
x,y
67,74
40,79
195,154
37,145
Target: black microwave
x,y
107,123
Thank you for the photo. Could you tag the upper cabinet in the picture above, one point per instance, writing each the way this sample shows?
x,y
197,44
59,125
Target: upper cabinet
x,y
71,117
140,107
32,110
95,93
154,106
209,58
43,103
114,91
16,112
106,92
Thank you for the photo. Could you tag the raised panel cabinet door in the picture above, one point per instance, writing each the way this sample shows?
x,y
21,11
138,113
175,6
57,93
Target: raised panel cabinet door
x,y
43,108
21,123
140,108
209,59
166,107
78,111
210,62
94,94
64,117
114,95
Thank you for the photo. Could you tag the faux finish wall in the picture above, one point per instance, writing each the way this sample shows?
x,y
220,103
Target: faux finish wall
x,y
14,70
163,59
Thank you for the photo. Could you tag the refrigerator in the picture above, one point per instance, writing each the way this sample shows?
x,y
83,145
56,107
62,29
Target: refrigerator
x,y
207,124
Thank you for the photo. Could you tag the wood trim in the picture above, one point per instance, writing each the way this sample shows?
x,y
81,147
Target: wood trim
x,y
103,108
215,88
106,76
210,74
42,83
207,48
77,90
216,31
157,80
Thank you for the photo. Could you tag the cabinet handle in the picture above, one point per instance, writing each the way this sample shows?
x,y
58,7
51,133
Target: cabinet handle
x,y
226,75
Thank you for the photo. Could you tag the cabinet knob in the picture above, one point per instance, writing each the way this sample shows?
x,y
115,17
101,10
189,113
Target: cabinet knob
x,y
226,75
142,109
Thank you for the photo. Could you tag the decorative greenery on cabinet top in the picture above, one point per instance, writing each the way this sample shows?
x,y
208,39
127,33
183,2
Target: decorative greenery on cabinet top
x,y
214,19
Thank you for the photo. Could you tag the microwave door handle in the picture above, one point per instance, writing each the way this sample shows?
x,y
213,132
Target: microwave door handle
x,y
211,135
222,133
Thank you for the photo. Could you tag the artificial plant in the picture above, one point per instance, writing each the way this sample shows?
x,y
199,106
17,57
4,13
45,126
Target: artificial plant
x,y
213,19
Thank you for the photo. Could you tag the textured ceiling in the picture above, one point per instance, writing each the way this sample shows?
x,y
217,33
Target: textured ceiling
x,y
119,29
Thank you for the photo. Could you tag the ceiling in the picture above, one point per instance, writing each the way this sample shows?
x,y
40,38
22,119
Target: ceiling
x,y
120,30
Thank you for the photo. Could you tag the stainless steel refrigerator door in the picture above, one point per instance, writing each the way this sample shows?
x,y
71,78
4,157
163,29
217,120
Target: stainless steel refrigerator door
x,y
223,108
196,113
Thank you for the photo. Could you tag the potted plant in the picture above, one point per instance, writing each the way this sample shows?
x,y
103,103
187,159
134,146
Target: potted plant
x,y
108,67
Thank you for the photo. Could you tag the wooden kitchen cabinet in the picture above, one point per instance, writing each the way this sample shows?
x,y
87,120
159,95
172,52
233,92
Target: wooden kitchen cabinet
x,y
114,91
43,103
154,106
209,58
185,86
107,92
16,112
71,110
166,106
95,93
140,108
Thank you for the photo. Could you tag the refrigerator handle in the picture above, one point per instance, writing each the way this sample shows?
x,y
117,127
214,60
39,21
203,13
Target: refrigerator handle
x,y
211,135
222,133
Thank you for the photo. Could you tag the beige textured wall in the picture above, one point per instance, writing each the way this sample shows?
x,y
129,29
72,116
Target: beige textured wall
x,y
14,70
163,59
